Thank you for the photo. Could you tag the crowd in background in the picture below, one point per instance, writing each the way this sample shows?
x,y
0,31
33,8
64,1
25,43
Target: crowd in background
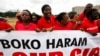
x,y
88,20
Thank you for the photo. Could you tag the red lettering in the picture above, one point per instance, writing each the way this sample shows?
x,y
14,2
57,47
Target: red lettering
x,y
39,54
42,54
85,52
1,54
94,52
75,52
33,54
19,54
55,54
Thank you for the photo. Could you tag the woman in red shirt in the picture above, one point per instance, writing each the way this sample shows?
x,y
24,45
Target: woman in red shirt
x,y
35,18
90,23
63,22
98,22
83,14
74,19
46,22
26,22
5,26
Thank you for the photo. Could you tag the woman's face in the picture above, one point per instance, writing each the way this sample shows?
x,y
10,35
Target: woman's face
x,y
65,19
95,15
76,17
25,16
47,11
34,18
88,7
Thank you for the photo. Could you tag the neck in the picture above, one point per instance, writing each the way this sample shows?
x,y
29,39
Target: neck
x,y
47,18
27,22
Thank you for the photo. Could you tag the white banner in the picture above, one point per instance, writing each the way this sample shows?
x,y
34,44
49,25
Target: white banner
x,y
56,43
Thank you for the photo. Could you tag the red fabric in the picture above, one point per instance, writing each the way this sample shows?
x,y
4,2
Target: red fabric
x,y
77,27
43,23
68,26
5,25
21,26
89,26
98,22
81,17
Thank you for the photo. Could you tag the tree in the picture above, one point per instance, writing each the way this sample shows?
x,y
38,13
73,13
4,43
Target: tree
x,y
1,14
9,14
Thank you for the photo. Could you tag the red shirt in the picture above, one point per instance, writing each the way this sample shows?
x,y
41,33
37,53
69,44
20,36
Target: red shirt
x,y
21,26
5,25
89,26
81,17
43,23
68,26
77,27
98,22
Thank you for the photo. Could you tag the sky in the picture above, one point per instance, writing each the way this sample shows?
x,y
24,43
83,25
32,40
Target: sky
x,y
35,5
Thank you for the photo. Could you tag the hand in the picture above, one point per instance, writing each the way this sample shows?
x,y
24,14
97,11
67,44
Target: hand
x,y
44,30
37,30
50,29
8,30
78,22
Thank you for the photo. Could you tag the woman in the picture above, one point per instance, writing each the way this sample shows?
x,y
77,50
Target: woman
x,y
46,22
63,22
35,18
4,26
74,19
26,21
89,24
88,7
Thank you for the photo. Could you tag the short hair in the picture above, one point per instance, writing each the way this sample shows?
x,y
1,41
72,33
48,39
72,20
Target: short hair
x,y
72,14
89,4
44,6
29,14
99,15
92,14
60,16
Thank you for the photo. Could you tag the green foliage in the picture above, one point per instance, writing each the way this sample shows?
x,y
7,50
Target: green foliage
x,y
7,14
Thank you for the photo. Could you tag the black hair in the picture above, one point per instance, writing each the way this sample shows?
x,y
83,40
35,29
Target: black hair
x,y
90,6
60,16
38,16
44,6
29,14
72,14
99,15
93,14
19,18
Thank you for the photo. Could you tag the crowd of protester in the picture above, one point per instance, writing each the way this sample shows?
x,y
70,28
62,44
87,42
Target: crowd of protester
x,y
88,20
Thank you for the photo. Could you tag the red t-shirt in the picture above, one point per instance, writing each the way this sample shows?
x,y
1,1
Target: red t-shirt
x,y
5,25
43,23
81,16
21,26
77,27
89,26
98,22
68,26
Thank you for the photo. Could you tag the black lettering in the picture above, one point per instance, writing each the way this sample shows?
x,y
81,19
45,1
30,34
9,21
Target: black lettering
x,y
25,44
74,42
52,43
82,42
5,43
59,43
67,41
34,46
16,43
